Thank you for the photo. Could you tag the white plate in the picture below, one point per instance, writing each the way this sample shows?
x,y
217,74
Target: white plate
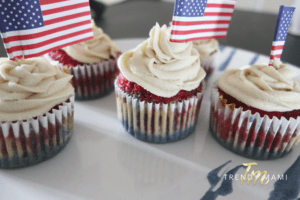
x,y
102,161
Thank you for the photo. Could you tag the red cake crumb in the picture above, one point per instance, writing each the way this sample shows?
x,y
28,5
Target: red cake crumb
x,y
134,89
232,100
63,58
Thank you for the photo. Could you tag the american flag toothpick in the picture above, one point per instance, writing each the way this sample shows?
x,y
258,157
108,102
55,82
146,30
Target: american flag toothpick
x,y
31,28
283,23
201,19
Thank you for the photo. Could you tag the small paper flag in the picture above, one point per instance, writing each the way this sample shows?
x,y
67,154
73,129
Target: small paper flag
x,y
201,19
33,28
283,23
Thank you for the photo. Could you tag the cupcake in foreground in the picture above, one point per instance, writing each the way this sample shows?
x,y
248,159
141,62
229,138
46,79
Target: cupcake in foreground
x,y
36,111
160,88
92,63
255,111
208,50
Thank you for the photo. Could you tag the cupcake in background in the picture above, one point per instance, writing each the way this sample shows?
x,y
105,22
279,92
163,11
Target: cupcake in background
x,y
92,63
255,111
208,50
36,111
160,88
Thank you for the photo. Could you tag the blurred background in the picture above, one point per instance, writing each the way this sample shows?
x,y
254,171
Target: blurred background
x,y
269,6
252,26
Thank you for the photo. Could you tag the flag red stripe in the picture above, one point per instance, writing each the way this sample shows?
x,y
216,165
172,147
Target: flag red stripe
x,y
68,17
217,14
176,32
277,47
198,38
65,8
275,56
45,2
215,5
54,48
44,43
181,23
44,33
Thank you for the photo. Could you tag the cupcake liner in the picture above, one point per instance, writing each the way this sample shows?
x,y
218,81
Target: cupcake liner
x,y
28,142
209,63
158,123
92,81
250,135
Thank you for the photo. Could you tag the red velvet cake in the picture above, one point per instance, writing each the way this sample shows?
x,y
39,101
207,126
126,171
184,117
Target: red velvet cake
x,y
132,88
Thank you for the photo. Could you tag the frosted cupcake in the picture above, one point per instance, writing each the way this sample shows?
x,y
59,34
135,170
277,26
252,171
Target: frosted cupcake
x,y
36,111
92,63
208,50
160,88
255,111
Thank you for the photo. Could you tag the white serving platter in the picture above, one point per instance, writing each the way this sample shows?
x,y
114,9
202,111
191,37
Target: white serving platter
x,y
102,161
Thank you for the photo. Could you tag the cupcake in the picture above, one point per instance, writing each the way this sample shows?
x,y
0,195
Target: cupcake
x,y
255,111
208,50
36,111
92,64
160,88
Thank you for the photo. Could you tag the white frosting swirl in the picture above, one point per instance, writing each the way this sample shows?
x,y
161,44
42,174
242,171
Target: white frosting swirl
x,y
94,50
31,87
163,67
206,47
269,88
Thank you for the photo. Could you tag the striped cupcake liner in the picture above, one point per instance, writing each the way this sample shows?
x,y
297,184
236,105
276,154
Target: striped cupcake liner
x,y
92,81
250,135
28,142
157,123
209,63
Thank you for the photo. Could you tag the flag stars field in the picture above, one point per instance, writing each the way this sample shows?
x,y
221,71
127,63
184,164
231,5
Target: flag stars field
x,y
34,28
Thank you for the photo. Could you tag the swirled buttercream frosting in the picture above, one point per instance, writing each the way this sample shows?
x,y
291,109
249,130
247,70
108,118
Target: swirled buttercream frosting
x,y
94,50
31,87
162,67
269,88
206,47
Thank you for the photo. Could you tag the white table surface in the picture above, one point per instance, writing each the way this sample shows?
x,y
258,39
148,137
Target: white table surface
x,y
102,161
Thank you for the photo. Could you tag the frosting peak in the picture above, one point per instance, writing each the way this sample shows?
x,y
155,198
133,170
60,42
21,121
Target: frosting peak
x,y
31,87
163,67
94,50
269,88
